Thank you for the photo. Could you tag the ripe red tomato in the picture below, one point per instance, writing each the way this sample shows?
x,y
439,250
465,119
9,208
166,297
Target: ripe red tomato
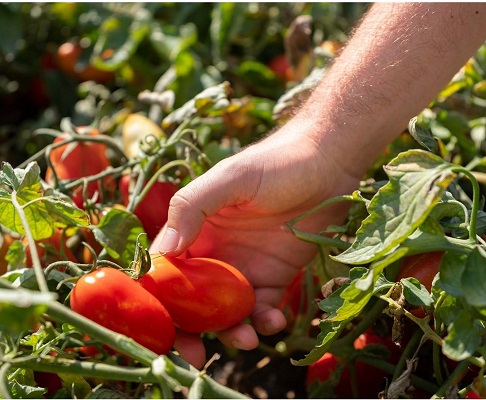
x,y
78,160
68,55
111,298
201,294
50,250
153,210
370,380
422,267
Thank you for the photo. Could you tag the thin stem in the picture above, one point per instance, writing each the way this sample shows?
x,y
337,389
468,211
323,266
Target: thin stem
x,y
475,203
4,392
39,273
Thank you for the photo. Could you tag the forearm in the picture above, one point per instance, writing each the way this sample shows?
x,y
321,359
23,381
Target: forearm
x,y
400,57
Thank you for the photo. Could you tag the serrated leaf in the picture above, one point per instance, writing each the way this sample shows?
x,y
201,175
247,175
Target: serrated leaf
x,y
473,278
465,335
329,331
117,232
43,214
417,181
359,292
416,293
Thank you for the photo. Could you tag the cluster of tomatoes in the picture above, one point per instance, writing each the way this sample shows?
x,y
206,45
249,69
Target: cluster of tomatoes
x,y
173,293
333,374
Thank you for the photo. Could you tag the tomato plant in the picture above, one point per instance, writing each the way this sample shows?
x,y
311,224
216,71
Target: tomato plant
x,y
69,61
153,210
370,380
201,294
422,267
79,160
51,249
113,299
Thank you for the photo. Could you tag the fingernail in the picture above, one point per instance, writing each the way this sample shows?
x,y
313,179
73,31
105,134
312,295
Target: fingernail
x,y
169,241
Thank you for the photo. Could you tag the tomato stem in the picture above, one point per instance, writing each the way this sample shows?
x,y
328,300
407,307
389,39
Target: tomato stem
x,y
39,273
475,202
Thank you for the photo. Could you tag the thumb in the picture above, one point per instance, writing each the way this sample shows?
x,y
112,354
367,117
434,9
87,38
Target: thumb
x,y
222,186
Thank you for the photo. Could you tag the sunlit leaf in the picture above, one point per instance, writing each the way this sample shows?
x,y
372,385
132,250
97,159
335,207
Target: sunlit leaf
x,y
118,231
417,181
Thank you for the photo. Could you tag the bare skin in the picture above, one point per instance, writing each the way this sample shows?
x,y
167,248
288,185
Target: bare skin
x,y
398,59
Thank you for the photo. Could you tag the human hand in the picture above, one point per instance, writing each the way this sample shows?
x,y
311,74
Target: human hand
x,y
235,213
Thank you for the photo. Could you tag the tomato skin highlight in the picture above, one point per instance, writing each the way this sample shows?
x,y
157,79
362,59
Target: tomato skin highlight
x,y
153,210
111,298
78,160
201,294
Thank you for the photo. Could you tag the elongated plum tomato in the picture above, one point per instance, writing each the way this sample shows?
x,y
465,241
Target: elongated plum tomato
x,y
201,294
78,160
113,299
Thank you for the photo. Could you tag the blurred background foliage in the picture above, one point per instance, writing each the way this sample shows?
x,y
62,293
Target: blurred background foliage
x,y
103,61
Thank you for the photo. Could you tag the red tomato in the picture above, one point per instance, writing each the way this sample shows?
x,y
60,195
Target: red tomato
x,y
201,294
153,210
370,380
471,394
422,267
50,250
281,67
111,298
48,380
6,241
68,55
78,160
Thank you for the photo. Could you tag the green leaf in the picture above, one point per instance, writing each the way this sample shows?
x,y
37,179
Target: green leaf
x,y
449,308
21,309
213,98
423,136
43,214
329,332
473,278
16,255
417,181
19,391
222,19
359,292
117,232
416,293
465,335
122,34
452,267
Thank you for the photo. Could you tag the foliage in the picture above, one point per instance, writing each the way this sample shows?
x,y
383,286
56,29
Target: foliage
x,y
190,84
